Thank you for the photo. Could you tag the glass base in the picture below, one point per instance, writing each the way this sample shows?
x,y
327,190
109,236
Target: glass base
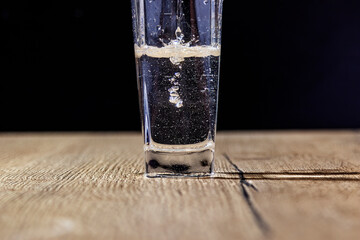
x,y
179,163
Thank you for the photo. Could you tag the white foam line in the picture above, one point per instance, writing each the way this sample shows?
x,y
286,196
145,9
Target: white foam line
x,y
176,51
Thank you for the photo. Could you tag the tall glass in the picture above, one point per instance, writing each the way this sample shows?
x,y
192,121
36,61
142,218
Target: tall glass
x,y
177,51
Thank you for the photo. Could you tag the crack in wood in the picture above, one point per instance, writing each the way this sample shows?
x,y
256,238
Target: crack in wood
x,y
259,220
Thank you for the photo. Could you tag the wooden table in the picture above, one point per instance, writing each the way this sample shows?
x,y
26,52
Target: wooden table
x,y
269,185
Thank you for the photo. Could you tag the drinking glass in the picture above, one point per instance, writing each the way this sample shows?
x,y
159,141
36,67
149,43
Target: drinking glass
x,y
177,50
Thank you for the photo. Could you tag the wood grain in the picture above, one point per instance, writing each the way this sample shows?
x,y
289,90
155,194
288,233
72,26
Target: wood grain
x,y
269,185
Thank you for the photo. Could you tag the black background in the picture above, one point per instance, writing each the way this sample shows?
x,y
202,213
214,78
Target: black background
x,y
69,65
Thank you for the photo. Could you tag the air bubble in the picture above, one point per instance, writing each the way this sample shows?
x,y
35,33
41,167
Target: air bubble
x,y
204,90
174,99
176,60
179,104
175,88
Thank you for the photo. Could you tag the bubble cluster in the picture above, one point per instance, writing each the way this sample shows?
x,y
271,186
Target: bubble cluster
x,y
173,91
